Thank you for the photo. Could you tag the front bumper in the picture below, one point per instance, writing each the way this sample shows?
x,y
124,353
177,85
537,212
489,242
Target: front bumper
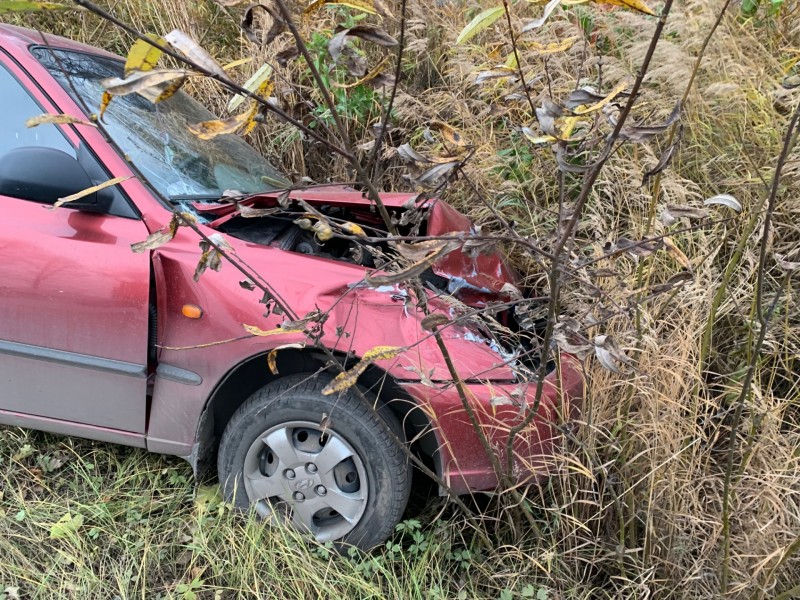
x,y
463,461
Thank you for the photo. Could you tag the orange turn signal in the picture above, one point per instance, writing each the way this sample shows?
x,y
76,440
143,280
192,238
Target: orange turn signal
x,y
191,311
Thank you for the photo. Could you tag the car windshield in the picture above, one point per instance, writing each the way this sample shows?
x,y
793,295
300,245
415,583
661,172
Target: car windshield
x,y
155,137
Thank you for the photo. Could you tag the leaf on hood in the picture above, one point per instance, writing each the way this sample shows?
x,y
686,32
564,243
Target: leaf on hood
x,y
138,81
20,6
158,238
195,53
432,176
555,47
415,269
535,24
450,134
584,110
211,257
609,354
637,5
348,379
260,84
143,56
272,357
480,22
89,190
724,200
57,120
248,212
276,24
644,133
366,6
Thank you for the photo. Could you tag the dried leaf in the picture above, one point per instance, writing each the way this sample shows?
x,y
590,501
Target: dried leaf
x,y
640,248
88,191
480,22
449,133
143,56
211,257
322,231
21,6
643,133
677,253
637,5
208,130
551,6
195,53
248,212
496,73
434,320
678,211
259,84
104,102
415,269
373,34
367,78
288,54
353,229
272,357
555,47
158,238
348,379
253,330
784,264
57,119
609,354
276,24
663,162
139,81
406,152
725,200
620,87
566,337
432,176
363,5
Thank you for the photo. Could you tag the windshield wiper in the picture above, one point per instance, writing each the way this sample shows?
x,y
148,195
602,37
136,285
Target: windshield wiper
x,y
196,198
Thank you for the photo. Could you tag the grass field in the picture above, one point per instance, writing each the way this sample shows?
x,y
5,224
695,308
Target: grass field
x,y
635,509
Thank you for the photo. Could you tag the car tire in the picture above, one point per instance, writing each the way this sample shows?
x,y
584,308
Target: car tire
x,y
346,482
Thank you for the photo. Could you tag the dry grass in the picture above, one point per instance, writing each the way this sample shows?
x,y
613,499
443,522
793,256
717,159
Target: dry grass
x,y
636,509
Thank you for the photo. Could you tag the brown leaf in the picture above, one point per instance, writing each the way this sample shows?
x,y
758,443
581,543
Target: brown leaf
x,y
253,330
139,81
248,212
450,134
609,354
288,54
158,238
87,191
678,254
211,258
348,379
644,133
414,270
57,119
208,130
432,176
434,320
276,24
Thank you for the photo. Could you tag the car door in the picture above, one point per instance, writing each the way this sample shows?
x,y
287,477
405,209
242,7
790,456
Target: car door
x,y
73,297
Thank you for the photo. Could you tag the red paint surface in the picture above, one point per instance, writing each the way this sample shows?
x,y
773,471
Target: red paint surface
x,y
107,289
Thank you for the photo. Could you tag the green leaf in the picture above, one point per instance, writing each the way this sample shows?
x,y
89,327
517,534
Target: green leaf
x,y
479,23
12,6
66,526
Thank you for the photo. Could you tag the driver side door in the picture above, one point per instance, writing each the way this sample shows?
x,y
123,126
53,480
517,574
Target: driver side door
x,y
73,297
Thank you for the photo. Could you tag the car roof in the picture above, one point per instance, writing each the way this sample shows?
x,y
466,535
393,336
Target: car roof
x,y
20,36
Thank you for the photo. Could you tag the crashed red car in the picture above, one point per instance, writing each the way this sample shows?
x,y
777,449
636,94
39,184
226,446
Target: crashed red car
x,y
101,342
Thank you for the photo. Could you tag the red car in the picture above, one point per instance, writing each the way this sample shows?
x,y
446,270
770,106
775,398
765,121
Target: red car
x,y
101,342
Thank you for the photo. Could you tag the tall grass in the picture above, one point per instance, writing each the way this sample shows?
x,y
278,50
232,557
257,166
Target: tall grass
x,y
635,508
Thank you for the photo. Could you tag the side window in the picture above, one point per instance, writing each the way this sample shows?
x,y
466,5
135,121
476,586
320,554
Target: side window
x,y
17,107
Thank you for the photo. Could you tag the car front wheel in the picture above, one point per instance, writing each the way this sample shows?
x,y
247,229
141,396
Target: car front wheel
x,y
325,463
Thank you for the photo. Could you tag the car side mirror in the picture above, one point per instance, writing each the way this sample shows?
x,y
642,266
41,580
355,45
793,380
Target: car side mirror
x,y
45,175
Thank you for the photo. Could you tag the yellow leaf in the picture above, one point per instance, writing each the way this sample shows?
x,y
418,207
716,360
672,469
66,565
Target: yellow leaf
x,y
450,134
208,130
678,254
272,361
259,84
158,238
633,4
56,119
368,77
168,90
511,62
366,6
553,48
237,63
253,330
11,6
90,190
479,23
104,103
353,229
143,56
347,379
139,81
600,104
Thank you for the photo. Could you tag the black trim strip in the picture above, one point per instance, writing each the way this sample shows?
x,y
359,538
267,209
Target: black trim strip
x,y
74,359
172,373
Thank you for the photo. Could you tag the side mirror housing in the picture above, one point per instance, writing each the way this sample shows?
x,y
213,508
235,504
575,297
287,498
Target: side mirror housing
x,y
44,175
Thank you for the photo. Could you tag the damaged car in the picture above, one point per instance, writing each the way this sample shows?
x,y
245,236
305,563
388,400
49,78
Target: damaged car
x,y
144,349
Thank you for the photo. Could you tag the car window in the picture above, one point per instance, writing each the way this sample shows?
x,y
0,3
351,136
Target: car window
x,y
156,138
17,107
